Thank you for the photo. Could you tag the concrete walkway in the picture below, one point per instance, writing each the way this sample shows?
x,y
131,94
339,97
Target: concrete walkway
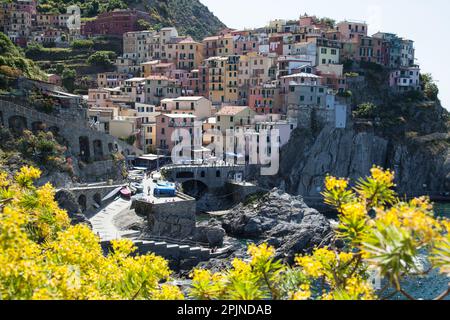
x,y
102,221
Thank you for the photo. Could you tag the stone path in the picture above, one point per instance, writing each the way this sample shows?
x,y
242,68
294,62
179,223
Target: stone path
x,y
102,222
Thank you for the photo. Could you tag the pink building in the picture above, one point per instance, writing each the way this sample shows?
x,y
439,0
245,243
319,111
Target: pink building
x,y
265,99
167,124
350,30
245,44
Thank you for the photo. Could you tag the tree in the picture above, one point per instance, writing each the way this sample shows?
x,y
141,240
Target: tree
x,y
144,25
82,44
68,78
429,87
102,58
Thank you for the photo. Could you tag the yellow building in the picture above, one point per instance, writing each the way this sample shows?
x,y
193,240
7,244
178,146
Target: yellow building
x,y
225,45
223,79
189,55
222,45
328,51
254,69
233,118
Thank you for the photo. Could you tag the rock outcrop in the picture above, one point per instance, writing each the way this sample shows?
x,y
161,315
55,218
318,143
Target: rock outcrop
x,y
283,221
210,232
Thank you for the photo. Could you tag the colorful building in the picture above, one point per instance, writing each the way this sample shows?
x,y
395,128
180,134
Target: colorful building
x,y
167,125
116,22
189,54
197,106
158,88
223,79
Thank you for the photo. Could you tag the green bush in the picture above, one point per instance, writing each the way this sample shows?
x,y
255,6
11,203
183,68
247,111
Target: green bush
x,y
430,89
102,58
365,110
82,44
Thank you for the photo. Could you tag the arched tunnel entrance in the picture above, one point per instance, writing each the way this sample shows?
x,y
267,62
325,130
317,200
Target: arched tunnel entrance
x,y
17,124
194,188
85,151
82,202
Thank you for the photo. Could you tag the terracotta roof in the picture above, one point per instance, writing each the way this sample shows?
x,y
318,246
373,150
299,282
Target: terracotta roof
x,y
188,40
211,38
230,110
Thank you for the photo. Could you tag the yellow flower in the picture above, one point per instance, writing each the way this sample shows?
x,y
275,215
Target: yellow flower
x,y
4,180
303,294
385,177
332,183
261,253
27,175
354,210
310,266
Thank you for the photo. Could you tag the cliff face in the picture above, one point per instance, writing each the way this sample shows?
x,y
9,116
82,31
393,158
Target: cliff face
x,y
417,150
344,153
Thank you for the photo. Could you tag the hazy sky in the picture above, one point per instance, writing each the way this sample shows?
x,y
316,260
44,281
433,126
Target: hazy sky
x,y
425,22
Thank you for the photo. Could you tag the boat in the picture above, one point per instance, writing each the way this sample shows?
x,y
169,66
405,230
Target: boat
x,y
112,194
125,192
165,189
137,187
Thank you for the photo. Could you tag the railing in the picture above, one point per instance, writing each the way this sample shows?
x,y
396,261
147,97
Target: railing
x,y
203,165
170,240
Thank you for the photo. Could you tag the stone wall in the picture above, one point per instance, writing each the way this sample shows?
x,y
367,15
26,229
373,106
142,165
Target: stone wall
x,y
89,198
83,142
172,219
214,177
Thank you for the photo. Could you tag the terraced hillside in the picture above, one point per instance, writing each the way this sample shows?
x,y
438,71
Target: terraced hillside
x,y
190,17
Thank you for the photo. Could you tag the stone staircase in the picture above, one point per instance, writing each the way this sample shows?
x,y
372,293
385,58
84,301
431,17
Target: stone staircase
x,y
169,250
102,222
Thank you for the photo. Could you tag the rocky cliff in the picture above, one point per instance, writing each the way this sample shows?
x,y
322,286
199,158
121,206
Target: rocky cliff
x,y
281,220
412,139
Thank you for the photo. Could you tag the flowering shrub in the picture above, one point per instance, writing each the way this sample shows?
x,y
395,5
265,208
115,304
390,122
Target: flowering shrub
x,y
43,257
382,234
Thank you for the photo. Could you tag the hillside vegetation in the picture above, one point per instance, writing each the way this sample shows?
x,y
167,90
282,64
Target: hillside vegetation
x,y
189,16
14,64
